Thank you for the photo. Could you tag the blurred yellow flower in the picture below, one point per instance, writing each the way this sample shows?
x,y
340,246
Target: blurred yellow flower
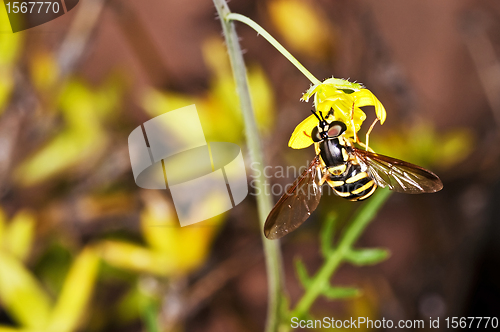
x,y
80,140
304,27
343,99
171,250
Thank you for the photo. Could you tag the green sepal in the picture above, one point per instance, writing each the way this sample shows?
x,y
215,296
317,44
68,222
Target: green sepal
x,y
369,256
327,232
302,273
340,292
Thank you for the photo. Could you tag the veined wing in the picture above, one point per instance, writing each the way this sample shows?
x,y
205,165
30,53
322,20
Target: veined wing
x,y
398,175
296,205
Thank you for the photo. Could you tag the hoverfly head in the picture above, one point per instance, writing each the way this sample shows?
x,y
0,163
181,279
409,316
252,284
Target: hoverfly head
x,y
320,132
336,128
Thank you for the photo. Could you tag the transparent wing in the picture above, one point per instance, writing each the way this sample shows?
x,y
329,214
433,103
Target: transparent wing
x,y
399,175
296,205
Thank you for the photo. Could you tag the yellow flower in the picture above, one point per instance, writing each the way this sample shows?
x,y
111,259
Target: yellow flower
x,y
341,96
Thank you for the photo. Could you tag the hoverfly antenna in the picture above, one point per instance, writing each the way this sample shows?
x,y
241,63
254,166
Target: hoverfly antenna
x,y
316,115
322,117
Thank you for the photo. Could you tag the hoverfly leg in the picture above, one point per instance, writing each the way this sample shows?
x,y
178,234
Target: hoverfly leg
x,y
353,126
368,135
367,148
356,138
323,178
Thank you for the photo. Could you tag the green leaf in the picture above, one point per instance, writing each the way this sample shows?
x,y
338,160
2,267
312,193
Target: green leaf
x,y
302,273
326,235
340,292
367,256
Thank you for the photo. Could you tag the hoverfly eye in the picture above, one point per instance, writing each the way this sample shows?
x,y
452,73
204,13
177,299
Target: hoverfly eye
x,y
335,131
315,135
337,128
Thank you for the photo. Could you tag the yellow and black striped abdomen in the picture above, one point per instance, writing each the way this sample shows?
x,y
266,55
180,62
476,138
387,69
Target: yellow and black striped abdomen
x,y
353,184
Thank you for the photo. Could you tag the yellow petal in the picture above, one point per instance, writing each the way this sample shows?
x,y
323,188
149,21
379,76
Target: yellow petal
x,y
301,136
365,97
341,96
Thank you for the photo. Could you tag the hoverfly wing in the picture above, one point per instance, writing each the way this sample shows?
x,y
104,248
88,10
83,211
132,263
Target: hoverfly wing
x,y
399,175
296,205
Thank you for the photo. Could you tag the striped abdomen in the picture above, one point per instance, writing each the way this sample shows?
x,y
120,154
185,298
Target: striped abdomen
x,y
346,177
353,184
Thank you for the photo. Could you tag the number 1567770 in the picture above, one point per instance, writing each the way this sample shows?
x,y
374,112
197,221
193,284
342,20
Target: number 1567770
x,y
32,7
470,322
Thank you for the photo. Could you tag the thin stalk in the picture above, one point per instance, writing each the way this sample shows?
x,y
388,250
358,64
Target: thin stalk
x,y
260,30
264,203
352,233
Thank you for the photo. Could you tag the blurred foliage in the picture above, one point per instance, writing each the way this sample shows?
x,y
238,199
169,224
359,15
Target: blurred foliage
x,y
81,139
16,237
21,294
218,108
50,290
44,72
24,297
417,144
171,250
304,28
76,292
10,47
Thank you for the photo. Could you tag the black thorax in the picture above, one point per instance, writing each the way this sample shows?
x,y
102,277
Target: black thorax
x,y
331,152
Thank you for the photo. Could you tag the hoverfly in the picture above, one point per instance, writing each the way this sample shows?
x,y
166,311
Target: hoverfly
x,y
352,173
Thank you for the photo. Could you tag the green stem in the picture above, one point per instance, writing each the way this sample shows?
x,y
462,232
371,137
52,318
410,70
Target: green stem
x,y
150,316
274,42
354,230
264,202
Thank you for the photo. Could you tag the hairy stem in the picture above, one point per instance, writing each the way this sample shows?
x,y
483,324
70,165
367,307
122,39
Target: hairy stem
x,y
274,42
264,202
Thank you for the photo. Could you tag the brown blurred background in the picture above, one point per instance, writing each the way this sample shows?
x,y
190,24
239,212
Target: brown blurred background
x,y
73,89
